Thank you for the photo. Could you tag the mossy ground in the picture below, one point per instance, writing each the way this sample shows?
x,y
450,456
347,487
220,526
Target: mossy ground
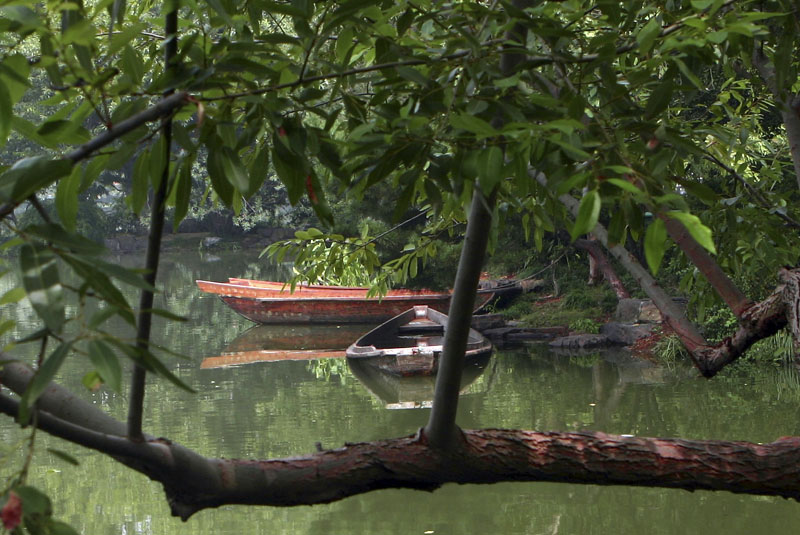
x,y
576,304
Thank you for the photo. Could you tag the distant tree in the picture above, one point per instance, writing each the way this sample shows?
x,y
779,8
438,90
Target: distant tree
x,y
663,116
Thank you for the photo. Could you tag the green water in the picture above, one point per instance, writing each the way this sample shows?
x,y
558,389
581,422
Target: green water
x,y
262,410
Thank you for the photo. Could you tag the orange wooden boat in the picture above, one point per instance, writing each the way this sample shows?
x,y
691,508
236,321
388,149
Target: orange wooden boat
x,y
274,302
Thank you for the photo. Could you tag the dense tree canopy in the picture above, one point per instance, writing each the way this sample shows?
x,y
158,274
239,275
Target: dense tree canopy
x,y
653,122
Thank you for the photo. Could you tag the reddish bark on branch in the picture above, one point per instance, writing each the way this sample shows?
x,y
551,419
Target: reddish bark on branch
x,y
193,483
600,263
709,267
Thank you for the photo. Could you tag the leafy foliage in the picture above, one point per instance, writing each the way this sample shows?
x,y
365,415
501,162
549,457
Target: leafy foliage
x,y
643,110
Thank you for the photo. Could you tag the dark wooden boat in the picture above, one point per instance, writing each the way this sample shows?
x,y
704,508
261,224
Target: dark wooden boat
x,y
274,302
410,344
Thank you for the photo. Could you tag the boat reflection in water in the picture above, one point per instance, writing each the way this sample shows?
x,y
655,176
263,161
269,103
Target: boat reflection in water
x,y
415,392
274,343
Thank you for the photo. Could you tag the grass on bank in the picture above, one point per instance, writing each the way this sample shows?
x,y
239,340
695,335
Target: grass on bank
x,y
579,308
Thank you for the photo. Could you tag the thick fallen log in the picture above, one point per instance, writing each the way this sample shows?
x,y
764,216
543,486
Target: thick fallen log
x,y
193,482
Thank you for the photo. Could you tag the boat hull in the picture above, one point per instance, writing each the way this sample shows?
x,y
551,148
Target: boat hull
x,y
268,302
327,310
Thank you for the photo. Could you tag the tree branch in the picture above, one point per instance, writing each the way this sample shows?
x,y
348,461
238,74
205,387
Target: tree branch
x,y
754,193
441,429
672,314
758,321
144,323
788,103
162,108
601,263
193,483
705,263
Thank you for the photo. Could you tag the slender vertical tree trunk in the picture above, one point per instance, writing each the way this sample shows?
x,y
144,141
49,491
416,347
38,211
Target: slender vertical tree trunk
x,y
441,430
138,380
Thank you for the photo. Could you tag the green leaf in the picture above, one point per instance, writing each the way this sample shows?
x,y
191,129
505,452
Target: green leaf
x,y
15,71
648,34
624,185
100,316
34,501
117,11
289,172
6,325
59,237
183,191
259,171
158,160
141,182
234,170
48,58
698,231
67,198
490,168
42,283
473,124
14,295
42,378
106,363
97,280
707,195
216,172
29,175
317,197
166,314
576,153
659,99
588,212
655,244
61,132
153,364
616,228
92,381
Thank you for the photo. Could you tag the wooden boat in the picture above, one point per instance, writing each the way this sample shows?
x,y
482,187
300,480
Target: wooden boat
x,y
274,302
411,343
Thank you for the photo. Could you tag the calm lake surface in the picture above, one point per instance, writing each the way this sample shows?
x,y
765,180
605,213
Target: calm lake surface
x,y
274,409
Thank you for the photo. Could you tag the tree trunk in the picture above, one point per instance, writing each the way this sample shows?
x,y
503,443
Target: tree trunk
x,y
441,428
